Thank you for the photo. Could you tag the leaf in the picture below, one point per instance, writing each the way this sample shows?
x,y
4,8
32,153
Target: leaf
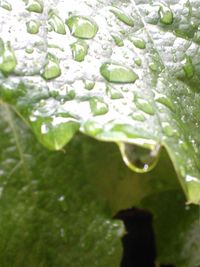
x,y
154,73
50,215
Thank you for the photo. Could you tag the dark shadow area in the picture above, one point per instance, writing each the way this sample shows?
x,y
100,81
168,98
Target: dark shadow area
x,y
168,265
139,249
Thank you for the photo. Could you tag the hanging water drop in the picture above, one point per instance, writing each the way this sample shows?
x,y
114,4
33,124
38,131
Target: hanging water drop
x,y
33,26
128,20
56,23
117,73
139,159
8,61
98,107
82,27
35,6
52,69
79,50
166,15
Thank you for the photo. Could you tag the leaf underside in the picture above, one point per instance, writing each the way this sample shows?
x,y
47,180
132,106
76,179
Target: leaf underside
x,y
136,81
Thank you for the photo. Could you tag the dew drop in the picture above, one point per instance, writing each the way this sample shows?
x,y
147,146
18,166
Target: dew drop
x,y
56,23
35,6
118,40
117,73
29,50
188,67
52,68
166,15
89,85
82,27
138,62
79,50
33,26
139,43
153,66
98,107
8,60
144,105
4,4
113,93
139,159
128,20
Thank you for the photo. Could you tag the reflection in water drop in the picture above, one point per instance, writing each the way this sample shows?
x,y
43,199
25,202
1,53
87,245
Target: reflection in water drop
x,y
139,159
82,27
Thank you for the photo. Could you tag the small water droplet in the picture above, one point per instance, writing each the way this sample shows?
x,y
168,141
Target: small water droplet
x,y
33,26
166,15
92,128
138,117
56,23
35,6
8,60
128,20
118,40
79,50
113,93
188,67
153,66
117,73
139,159
138,61
98,107
4,4
89,85
29,50
82,27
144,105
160,98
52,68
138,42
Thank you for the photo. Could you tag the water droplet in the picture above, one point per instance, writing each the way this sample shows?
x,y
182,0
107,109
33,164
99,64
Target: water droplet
x,y
138,62
139,159
92,128
113,93
144,105
8,60
160,98
98,107
118,40
117,73
29,50
139,43
33,26
82,27
89,85
138,117
52,68
35,6
128,20
54,132
56,23
166,15
153,66
4,4
188,67
79,50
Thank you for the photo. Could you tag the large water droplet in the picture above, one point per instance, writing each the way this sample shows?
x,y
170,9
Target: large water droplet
x,y
139,159
128,20
33,26
4,4
52,68
79,50
138,42
188,67
35,6
56,23
166,15
98,107
144,105
117,73
82,27
118,40
8,60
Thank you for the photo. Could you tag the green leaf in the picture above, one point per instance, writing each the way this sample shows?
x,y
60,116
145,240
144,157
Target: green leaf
x,y
50,215
159,83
